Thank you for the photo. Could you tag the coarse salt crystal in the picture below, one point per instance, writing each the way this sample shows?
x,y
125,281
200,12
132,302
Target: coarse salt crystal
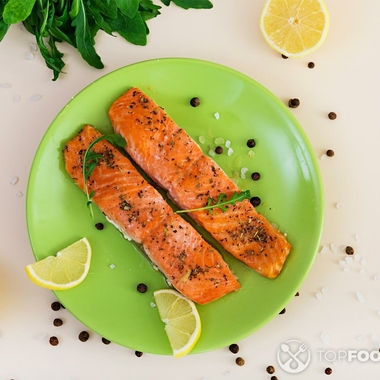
x,y
230,151
42,336
112,266
374,337
338,205
202,139
19,194
29,56
33,47
324,289
362,271
318,295
275,226
324,249
152,304
376,277
323,157
211,152
219,141
228,143
36,97
217,116
251,153
13,180
5,85
378,313
342,263
346,270
357,257
242,172
333,248
357,237
325,338
348,260
16,98
363,262
360,297
360,338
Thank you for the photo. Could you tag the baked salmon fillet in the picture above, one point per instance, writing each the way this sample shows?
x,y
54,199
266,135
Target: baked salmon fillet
x,y
191,265
175,162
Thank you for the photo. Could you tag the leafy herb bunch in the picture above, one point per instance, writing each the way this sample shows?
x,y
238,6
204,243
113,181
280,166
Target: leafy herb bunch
x,y
78,21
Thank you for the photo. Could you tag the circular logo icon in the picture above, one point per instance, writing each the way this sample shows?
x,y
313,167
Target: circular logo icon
x,y
293,356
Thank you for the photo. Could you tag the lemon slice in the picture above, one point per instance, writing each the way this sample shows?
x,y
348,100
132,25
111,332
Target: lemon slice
x,y
63,271
295,28
181,318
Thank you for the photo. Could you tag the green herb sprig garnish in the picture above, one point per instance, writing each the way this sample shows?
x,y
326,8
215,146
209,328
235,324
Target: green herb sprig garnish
x,y
91,159
222,202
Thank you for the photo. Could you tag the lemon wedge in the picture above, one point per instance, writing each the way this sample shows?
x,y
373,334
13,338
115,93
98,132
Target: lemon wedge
x,y
63,271
295,28
181,318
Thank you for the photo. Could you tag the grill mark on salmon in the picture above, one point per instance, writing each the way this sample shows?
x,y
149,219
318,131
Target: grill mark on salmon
x,y
175,162
138,210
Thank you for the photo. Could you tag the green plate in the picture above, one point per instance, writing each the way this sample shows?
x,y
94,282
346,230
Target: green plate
x,y
233,107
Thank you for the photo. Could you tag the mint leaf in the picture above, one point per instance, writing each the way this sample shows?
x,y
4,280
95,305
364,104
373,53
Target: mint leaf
x,y
186,4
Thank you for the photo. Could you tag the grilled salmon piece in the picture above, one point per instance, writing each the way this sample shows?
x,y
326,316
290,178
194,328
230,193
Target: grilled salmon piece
x,y
138,210
175,162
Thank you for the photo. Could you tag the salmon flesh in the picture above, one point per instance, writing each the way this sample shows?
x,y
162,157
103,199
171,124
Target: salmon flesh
x,y
170,157
191,265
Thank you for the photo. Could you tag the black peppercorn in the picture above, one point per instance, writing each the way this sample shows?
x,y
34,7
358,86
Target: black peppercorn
x,y
53,340
56,306
297,294
332,115
138,354
284,56
240,361
311,65
106,341
234,348
273,378
270,369
330,153
294,103
57,322
142,288
219,150
328,371
255,201
195,102
283,311
83,336
255,176
251,143
349,250
99,226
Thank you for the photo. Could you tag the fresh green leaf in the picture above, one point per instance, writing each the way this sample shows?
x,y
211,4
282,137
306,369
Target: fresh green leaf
x,y
132,29
186,4
109,10
17,10
128,8
222,202
3,25
84,38
75,8
91,159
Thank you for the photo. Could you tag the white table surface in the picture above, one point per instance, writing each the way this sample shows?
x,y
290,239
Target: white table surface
x,y
345,80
